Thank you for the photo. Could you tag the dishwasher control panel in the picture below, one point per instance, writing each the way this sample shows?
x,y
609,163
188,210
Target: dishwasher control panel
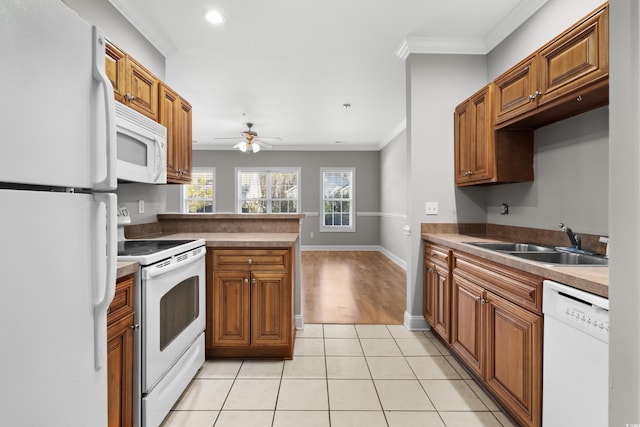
x,y
591,319
581,310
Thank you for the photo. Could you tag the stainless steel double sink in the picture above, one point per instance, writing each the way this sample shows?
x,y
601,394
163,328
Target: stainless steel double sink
x,y
560,256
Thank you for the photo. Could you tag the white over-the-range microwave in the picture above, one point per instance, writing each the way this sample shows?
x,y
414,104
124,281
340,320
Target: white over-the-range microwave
x,y
141,148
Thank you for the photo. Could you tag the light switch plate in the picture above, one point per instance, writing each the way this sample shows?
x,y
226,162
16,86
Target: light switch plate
x,y
431,208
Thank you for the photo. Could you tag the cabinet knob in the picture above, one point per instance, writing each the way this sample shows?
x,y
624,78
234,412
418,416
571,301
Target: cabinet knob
x,y
246,280
579,98
249,261
468,173
135,327
129,97
253,281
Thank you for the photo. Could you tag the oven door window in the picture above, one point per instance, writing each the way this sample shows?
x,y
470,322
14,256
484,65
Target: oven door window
x,y
178,309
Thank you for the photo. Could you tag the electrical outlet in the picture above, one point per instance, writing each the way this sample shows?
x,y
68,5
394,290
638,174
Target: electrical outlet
x,y
431,208
140,206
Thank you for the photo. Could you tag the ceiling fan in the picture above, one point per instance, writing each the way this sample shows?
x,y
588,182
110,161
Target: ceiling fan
x,y
251,142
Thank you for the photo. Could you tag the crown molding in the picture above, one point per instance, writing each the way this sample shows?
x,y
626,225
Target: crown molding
x,y
395,132
438,45
470,46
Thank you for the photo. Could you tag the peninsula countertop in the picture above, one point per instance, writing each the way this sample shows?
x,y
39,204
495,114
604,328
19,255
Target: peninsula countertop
x,y
244,240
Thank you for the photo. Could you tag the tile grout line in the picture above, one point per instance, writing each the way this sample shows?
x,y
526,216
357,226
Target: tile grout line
x,y
326,376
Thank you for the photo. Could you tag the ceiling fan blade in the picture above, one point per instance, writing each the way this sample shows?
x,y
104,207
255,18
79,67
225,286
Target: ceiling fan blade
x,y
262,143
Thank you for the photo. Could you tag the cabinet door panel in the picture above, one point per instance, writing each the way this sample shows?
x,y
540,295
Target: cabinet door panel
x,y
120,373
168,118
442,302
231,302
576,58
461,135
428,304
116,69
143,87
466,330
270,309
513,89
514,344
482,135
184,136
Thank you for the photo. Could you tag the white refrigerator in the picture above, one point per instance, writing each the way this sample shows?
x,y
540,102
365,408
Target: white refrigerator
x,y
57,216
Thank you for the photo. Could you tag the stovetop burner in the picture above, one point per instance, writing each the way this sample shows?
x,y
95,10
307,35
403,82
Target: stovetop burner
x,y
145,247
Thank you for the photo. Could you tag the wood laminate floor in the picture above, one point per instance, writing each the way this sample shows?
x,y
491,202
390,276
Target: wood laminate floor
x,y
354,287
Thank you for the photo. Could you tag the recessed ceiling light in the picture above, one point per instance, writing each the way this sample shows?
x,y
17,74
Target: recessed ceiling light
x,y
214,17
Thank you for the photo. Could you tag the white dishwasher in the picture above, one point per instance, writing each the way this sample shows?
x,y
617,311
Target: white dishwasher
x,y
576,357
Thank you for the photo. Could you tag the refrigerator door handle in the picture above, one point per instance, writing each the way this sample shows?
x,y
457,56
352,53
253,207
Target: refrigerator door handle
x,y
101,307
99,74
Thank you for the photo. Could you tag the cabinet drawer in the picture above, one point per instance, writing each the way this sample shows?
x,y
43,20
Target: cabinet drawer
x,y
521,288
436,254
122,303
242,259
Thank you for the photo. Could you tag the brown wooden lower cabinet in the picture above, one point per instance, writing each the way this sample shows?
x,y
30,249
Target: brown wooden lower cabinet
x,y
496,332
250,303
514,358
437,292
120,330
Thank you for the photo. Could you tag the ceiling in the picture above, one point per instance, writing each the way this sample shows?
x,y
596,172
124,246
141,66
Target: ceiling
x,y
288,66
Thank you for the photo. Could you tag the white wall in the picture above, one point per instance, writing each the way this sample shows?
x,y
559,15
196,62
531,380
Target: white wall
x,y
435,85
571,179
624,213
393,198
119,31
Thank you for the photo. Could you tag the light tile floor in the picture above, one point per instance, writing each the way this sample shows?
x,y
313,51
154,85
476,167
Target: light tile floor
x,y
341,376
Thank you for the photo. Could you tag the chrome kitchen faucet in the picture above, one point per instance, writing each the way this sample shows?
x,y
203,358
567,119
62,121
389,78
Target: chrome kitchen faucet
x,y
575,239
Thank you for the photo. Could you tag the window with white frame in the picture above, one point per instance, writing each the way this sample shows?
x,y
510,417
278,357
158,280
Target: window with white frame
x,y
199,196
338,200
268,190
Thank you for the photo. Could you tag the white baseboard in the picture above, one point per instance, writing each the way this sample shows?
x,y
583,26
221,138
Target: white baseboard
x,y
393,257
415,323
299,321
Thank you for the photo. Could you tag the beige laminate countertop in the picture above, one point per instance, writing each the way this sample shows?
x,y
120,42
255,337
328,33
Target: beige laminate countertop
x,y
594,279
222,240
244,240
126,268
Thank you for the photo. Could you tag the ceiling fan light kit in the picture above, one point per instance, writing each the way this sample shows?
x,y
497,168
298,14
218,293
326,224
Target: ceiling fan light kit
x,y
251,142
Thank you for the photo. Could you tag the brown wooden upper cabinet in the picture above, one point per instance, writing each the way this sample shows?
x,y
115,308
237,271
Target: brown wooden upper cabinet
x,y
482,155
175,115
137,87
567,76
133,84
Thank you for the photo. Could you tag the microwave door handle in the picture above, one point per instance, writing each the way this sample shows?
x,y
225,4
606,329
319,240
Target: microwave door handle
x,y
101,307
159,153
99,74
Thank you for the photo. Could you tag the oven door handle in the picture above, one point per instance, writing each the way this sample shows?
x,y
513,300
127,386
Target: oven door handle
x,y
161,268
